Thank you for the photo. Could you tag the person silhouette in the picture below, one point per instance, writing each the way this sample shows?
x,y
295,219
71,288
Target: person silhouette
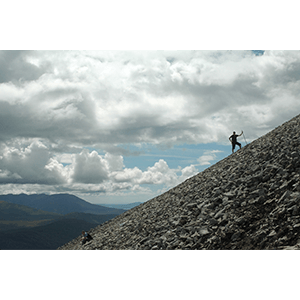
x,y
233,140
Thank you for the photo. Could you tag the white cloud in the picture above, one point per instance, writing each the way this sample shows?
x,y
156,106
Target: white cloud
x,y
127,175
208,157
62,102
158,174
114,162
126,96
89,168
187,172
205,160
31,164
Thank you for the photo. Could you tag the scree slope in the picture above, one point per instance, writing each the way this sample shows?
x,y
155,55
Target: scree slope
x,y
249,200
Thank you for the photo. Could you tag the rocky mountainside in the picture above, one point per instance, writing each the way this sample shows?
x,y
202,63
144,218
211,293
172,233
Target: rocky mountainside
x,y
249,200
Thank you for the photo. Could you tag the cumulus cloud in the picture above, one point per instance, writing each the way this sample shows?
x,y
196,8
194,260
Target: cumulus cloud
x,y
127,175
159,174
65,102
89,168
32,164
207,157
87,172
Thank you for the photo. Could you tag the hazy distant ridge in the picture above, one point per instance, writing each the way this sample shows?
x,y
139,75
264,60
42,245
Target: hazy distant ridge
x,y
59,203
122,206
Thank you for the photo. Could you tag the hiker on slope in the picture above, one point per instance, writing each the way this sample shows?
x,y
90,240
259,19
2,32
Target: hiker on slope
x,y
86,237
233,140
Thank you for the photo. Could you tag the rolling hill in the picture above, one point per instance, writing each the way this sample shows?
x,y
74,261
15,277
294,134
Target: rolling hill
x,y
26,228
13,216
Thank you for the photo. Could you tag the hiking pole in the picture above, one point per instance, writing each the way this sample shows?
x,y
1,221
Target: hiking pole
x,y
244,138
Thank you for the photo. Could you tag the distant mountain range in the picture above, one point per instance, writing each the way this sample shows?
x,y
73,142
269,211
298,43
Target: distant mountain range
x,y
44,222
59,203
122,206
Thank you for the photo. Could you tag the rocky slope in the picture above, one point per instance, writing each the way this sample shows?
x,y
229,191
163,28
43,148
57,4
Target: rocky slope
x,y
249,200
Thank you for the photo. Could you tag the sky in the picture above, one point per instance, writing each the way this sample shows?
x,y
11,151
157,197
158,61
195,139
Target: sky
x,y
125,126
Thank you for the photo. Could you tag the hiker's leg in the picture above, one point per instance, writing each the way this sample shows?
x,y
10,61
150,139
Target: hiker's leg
x,y
239,144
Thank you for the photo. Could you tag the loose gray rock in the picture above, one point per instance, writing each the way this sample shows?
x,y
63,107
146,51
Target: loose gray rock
x,y
248,200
